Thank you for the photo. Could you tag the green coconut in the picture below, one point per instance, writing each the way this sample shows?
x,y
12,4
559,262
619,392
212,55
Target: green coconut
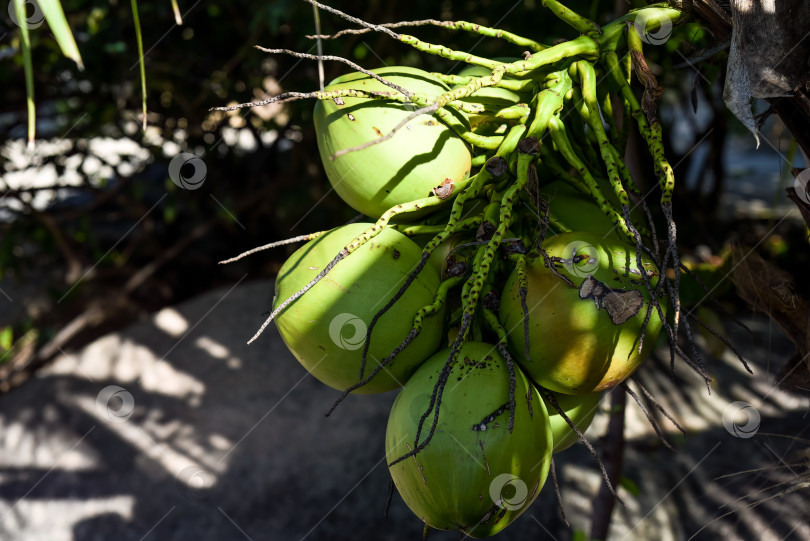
x,y
580,409
574,209
579,212
326,327
492,98
422,156
473,475
585,338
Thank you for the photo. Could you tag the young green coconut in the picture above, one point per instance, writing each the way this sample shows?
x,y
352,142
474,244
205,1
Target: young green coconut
x,y
580,410
326,327
493,98
474,476
576,211
589,337
424,157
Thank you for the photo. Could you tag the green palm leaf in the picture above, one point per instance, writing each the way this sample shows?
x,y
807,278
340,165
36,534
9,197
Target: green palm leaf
x,y
52,10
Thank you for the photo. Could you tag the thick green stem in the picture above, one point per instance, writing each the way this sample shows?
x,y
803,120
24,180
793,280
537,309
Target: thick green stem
x,y
483,265
515,85
652,134
420,229
548,103
586,140
572,18
486,142
587,78
494,33
558,135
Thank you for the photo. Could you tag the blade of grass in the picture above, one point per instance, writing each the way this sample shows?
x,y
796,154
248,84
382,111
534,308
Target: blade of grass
x,y
25,39
139,38
320,43
52,10
177,17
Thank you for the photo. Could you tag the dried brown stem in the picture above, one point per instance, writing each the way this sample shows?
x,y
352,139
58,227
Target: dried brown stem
x,y
401,90
354,20
337,259
648,395
647,414
398,24
293,240
613,454
608,482
557,492
286,96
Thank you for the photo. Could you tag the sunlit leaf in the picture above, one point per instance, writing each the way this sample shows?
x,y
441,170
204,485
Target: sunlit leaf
x,y
139,37
176,9
6,338
25,39
52,10
629,485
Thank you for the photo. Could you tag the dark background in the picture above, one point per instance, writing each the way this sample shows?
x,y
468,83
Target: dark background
x,y
82,245
112,248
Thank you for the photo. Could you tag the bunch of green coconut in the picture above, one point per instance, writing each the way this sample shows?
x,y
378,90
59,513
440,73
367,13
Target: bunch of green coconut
x,y
509,269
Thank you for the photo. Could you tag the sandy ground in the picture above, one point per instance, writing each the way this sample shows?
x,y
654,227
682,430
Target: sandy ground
x,y
174,429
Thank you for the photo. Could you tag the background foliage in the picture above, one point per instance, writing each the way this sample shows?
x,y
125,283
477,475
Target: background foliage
x,y
93,232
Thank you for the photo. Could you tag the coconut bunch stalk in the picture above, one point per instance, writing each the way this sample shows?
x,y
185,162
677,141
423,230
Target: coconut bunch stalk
x,y
510,270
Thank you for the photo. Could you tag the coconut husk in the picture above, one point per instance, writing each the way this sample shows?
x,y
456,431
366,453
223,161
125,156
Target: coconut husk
x,y
768,55
803,206
771,290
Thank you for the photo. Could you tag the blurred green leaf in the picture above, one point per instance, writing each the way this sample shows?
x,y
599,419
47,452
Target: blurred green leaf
x,y
139,37
6,338
52,10
360,52
176,9
94,19
629,485
579,535
25,39
115,47
170,212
